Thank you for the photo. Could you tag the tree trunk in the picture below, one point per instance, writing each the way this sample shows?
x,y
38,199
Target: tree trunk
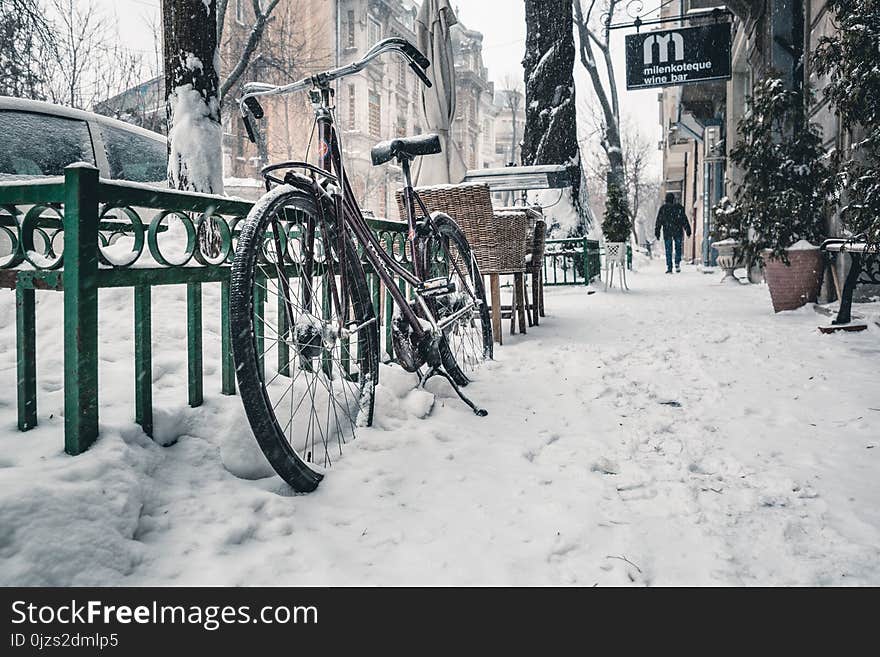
x,y
550,135
192,101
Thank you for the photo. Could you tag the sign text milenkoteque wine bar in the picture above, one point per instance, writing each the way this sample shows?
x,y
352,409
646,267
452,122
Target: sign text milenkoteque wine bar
x,y
678,56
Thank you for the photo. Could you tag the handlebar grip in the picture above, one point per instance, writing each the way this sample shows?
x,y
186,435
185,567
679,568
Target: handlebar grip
x,y
254,107
248,126
415,54
421,74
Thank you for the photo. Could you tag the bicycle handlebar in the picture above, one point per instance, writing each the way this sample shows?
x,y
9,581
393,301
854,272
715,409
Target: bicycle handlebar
x,y
250,106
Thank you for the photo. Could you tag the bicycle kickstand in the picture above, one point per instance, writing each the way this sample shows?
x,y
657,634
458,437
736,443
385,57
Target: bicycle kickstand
x,y
434,371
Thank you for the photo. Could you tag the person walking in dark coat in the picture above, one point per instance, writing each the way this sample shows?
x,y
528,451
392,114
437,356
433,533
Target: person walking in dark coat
x,y
672,220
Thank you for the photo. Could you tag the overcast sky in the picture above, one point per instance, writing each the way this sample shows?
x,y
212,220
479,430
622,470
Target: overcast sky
x,y
502,23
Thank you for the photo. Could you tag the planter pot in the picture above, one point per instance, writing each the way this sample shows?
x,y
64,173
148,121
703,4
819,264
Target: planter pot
x,y
615,252
793,286
729,258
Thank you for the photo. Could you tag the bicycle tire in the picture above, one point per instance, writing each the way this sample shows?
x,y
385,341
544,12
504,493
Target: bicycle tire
x,y
457,361
300,470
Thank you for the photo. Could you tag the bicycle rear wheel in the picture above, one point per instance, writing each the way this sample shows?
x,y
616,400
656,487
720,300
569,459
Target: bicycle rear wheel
x,y
467,341
304,334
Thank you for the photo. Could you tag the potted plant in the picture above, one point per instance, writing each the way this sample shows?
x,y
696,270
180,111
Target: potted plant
x,y
786,179
726,235
616,224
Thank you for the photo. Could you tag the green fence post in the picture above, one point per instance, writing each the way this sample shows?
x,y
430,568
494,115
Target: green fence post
x,y
80,307
283,335
26,348
227,366
143,359
194,342
586,261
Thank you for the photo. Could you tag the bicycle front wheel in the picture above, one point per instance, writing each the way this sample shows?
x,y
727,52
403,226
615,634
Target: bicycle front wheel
x,y
304,334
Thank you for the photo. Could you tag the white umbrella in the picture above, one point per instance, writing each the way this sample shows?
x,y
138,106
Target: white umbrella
x,y
438,103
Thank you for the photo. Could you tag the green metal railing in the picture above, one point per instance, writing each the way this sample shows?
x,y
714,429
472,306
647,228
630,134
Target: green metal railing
x,y
60,235
571,261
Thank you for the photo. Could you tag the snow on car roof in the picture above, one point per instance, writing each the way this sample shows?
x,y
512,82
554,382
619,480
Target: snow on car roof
x,y
39,107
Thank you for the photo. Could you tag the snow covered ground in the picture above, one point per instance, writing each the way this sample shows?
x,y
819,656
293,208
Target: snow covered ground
x,y
680,433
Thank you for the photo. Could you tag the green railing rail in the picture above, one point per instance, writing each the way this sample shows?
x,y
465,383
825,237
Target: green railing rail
x,y
62,234
571,261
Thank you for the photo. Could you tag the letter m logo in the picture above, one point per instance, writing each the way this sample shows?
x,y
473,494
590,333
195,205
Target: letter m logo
x,y
663,41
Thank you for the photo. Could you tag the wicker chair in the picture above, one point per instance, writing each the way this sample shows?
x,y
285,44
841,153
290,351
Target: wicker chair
x,y
534,261
497,239
535,267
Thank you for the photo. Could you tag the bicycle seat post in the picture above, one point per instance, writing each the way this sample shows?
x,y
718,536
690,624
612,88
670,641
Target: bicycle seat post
x,y
407,176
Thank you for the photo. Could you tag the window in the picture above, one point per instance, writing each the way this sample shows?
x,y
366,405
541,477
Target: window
x,y
375,113
408,19
239,11
352,107
401,125
748,90
34,144
134,157
401,72
375,31
350,42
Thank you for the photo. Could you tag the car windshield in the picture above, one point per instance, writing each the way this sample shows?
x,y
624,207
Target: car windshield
x,y
134,157
33,144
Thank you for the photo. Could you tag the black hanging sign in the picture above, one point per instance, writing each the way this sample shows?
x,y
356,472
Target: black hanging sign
x,y
669,57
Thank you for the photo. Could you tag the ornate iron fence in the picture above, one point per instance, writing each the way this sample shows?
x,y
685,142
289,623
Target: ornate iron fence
x,y
79,234
574,260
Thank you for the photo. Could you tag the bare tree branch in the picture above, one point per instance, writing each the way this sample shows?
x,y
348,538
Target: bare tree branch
x,y
221,18
261,17
589,62
609,67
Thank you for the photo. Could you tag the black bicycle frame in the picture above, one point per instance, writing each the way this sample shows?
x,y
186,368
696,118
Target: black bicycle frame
x,y
349,214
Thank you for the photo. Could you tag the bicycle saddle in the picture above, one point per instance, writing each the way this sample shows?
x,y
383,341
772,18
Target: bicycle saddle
x,y
405,147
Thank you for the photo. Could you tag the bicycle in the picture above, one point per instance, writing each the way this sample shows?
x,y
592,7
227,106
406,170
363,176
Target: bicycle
x,y
300,243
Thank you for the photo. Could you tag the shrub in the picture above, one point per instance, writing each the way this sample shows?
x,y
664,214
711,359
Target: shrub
x,y
616,224
850,58
786,173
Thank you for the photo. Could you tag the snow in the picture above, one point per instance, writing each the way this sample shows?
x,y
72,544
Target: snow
x,y
193,63
680,433
802,245
559,211
242,182
195,141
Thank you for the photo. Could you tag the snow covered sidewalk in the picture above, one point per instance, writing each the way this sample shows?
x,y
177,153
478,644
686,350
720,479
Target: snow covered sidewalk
x,y
680,433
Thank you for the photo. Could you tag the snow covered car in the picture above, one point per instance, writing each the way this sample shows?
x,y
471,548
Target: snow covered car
x,y
40,139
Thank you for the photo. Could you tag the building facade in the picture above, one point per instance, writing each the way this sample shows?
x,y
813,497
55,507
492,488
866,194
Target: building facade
x,y
381,102
510,122
297,41
769,38
693,119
